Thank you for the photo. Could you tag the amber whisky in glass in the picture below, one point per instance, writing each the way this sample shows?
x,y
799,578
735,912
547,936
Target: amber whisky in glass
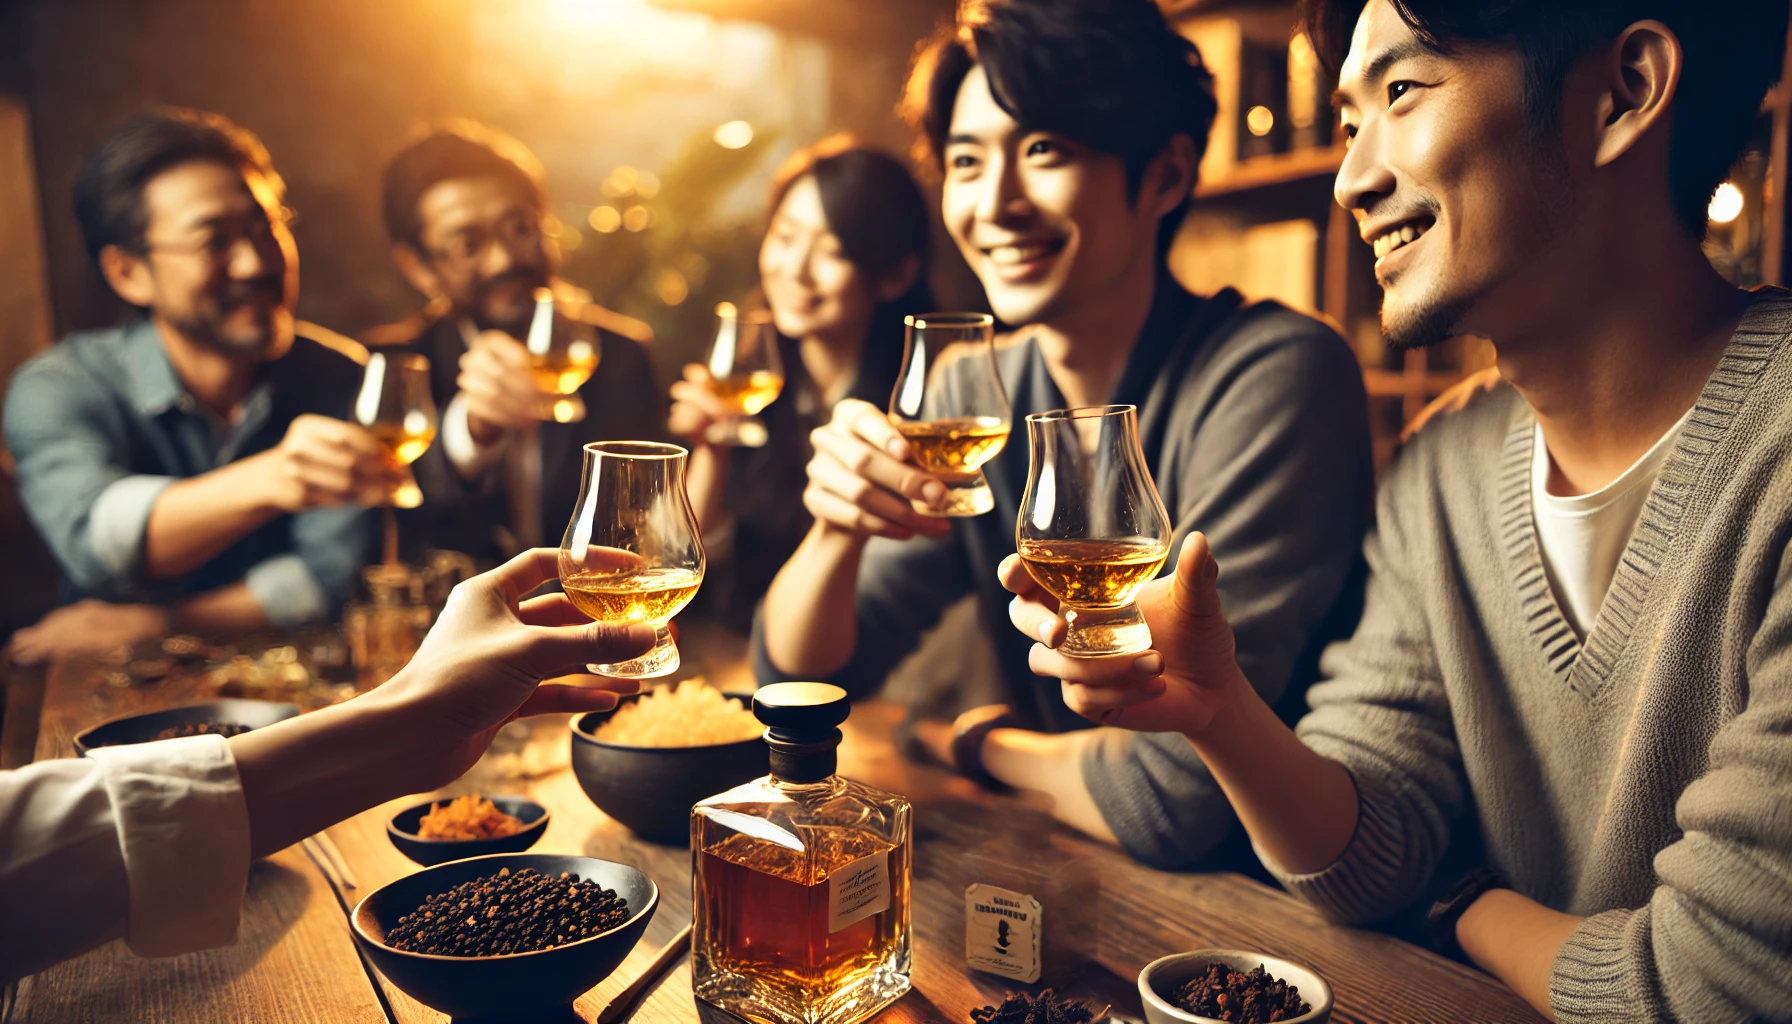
x,y
802,878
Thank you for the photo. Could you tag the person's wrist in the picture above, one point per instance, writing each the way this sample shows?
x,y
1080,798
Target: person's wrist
x,y
484,432
1231,701
1451,918
271,488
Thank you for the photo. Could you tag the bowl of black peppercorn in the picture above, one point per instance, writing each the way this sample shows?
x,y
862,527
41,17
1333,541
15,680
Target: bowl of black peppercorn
x,y
1253,987
228,717
506,936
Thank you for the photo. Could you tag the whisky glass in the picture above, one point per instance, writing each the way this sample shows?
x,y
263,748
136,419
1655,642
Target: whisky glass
x,y
1092,527
631,552
563,354
395,406
950,405
746,373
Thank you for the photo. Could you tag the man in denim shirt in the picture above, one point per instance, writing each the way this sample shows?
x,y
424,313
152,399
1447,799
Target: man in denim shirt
x,y
194,468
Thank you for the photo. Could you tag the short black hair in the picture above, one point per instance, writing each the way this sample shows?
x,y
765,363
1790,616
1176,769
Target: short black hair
x,y
1109,74
445,151
109,188
1734,52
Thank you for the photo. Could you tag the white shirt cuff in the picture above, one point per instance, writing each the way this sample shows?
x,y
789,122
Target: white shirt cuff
x,y
119,520
286,589
183,827
465,454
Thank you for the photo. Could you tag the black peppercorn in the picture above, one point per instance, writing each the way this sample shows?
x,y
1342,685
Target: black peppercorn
x,y
1241,998
519,912
1044,1008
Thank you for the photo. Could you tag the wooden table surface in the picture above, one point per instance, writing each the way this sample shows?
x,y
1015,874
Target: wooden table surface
x,y
296,962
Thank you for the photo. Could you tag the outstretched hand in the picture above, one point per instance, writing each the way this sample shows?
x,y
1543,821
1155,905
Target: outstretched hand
x,y
1179,685
484,661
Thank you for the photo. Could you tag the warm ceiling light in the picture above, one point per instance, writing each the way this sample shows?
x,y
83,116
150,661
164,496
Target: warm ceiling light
x,y
636,218
734,135
1259,120
604,220
1726,204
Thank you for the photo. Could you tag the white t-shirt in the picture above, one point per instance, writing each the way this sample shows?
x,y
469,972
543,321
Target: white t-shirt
x,y
1582,538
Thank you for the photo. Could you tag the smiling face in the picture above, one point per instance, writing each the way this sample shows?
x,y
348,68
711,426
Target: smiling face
x,y
483,240
221,266
1464,205
813,289
1044,222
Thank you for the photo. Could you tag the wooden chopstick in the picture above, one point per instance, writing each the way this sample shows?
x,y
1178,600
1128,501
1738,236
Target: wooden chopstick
x,y
337,860
624,1003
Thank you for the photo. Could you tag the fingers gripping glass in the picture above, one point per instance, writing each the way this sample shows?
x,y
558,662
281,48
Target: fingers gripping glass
x,y
631,552
395,406
1092,527
950,405
563,354
746,373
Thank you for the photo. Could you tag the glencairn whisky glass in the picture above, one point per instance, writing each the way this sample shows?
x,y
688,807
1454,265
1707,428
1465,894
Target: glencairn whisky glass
x,y
950,405
1092,527
395,406
631,552
563,354
746,373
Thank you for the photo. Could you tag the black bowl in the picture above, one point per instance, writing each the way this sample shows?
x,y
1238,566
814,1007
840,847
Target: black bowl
x,y
402,830
651,789
512,986
142,728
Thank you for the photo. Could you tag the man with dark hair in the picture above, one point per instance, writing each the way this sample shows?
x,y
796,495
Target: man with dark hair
x,y
193,469
1068,133
1567,712
463,207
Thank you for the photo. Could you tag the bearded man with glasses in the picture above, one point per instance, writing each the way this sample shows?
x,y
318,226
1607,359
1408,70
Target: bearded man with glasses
x,y
463,206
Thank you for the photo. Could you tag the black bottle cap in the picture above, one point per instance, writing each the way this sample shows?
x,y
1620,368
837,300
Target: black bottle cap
x,y
802,728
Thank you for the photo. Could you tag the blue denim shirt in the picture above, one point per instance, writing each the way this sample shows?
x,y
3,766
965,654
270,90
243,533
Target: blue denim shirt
x,y
100,425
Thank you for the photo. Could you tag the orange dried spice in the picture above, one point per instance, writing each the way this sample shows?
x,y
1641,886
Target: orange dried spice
x,y
467,817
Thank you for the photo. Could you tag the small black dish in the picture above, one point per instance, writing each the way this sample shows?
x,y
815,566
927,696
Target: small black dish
x,y
651,789
143,728
402,830
517,985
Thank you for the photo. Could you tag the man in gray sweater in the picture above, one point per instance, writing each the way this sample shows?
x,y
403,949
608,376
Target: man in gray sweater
x,y
1575,660
1068,133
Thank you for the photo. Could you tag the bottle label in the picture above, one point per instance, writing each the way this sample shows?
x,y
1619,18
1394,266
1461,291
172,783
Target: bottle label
x,y
1002,932
858,890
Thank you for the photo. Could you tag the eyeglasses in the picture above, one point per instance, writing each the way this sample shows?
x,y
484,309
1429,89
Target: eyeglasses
x,y
221,237
518,233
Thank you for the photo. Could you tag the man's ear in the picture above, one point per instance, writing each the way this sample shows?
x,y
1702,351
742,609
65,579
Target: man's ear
x,y
128,274
1642,77
416,270
899,280
1170,176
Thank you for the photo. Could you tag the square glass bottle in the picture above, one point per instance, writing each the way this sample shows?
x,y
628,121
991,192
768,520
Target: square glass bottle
x,y
801,878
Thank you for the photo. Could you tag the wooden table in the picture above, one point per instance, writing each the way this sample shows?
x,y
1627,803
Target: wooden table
x,y
296,962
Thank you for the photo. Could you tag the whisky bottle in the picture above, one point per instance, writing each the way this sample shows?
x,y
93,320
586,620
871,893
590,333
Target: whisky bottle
x,y
801,878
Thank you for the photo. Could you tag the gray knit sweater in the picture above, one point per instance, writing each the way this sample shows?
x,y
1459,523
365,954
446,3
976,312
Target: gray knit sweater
x,y
1642,778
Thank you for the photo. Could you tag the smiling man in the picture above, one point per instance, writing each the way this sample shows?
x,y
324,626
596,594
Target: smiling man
x,y
193,469
1068,133
1567,713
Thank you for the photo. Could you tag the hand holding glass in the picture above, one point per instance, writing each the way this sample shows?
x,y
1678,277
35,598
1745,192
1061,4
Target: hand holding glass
x,y
395,406
563,354
950,405
746,373
1092,527
631,552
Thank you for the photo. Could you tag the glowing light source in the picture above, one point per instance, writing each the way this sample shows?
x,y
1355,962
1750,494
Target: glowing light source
x,y
1726,204
604,220
637,217
621,182
648,185
671,287
570,238
734,135
1260,120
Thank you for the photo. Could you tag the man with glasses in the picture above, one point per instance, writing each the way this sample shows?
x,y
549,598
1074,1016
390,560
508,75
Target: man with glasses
x,y
192,469
463,206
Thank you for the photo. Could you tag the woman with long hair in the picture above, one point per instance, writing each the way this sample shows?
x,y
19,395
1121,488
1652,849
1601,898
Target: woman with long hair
x,y
844,259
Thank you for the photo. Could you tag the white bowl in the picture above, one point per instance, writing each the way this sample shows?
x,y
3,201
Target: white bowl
x,y
1171,972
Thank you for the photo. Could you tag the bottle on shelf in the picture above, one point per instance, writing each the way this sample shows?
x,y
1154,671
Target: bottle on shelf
x,y
801,878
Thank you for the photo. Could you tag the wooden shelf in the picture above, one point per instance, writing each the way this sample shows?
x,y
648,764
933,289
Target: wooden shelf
x,y
1280,169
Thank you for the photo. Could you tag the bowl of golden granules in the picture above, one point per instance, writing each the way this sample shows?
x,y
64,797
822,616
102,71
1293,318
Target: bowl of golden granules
x,y
472,825
646,762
